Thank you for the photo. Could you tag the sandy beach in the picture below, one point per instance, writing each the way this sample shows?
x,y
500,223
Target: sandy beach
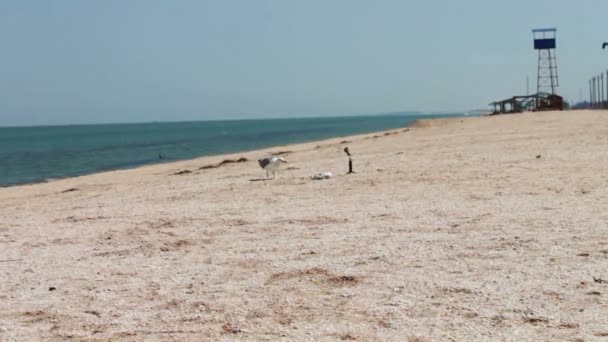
x,y
466,229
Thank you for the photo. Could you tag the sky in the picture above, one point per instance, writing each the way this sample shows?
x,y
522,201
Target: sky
x,y
75,62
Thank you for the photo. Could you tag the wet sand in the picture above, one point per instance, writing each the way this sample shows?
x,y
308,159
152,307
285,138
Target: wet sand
x,y
471,229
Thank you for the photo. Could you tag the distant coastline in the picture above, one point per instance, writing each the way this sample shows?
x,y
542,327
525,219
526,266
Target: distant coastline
x,y
395,113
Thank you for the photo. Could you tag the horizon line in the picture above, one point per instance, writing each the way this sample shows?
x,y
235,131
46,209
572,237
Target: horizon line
x,y
244,119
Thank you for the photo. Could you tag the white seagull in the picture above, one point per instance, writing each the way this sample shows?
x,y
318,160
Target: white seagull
x,y
271,164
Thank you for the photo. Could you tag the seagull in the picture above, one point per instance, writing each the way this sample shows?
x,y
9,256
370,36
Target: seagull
x,y
271,164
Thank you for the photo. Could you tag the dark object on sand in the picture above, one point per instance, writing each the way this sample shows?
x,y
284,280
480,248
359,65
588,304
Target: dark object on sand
x,y
70,190
9,260
350,161
600,280
229,161
183,172
224,162
52,288
280,153
538,156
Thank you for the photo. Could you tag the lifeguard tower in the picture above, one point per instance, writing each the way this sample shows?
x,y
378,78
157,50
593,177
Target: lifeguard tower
x,y
546,97
547,81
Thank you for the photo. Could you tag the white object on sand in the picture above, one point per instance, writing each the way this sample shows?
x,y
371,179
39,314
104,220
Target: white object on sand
x,y
322,175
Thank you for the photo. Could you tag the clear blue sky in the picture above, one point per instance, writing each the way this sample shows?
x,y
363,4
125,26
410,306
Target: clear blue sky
x,y
69,62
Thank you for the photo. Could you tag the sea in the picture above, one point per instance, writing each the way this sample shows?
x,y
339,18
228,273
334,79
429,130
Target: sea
x,y
43,153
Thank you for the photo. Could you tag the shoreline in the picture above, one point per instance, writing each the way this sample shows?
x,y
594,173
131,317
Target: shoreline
x,y
232,154
479,228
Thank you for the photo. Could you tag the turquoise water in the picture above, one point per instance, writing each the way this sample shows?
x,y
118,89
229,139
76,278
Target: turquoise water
x,y
35,154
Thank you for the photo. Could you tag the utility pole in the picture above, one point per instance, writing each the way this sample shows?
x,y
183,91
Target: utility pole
x,y
599,91
602,90
592,92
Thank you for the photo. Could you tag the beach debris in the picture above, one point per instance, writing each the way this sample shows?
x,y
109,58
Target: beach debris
x,y
538,156
470,314
230,161
271,164
280,153
93,312
600,280
224,162
348,337
535,320
70,190
52,288
594,293
322,175
350,161
9,260
183,172
341,280
345,141
317,275
228,328
568,325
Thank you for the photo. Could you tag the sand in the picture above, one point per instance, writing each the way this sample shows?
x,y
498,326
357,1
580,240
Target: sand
x,y
471,229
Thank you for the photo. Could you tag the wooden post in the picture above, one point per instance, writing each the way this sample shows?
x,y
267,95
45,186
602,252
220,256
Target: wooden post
x,y
350,161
